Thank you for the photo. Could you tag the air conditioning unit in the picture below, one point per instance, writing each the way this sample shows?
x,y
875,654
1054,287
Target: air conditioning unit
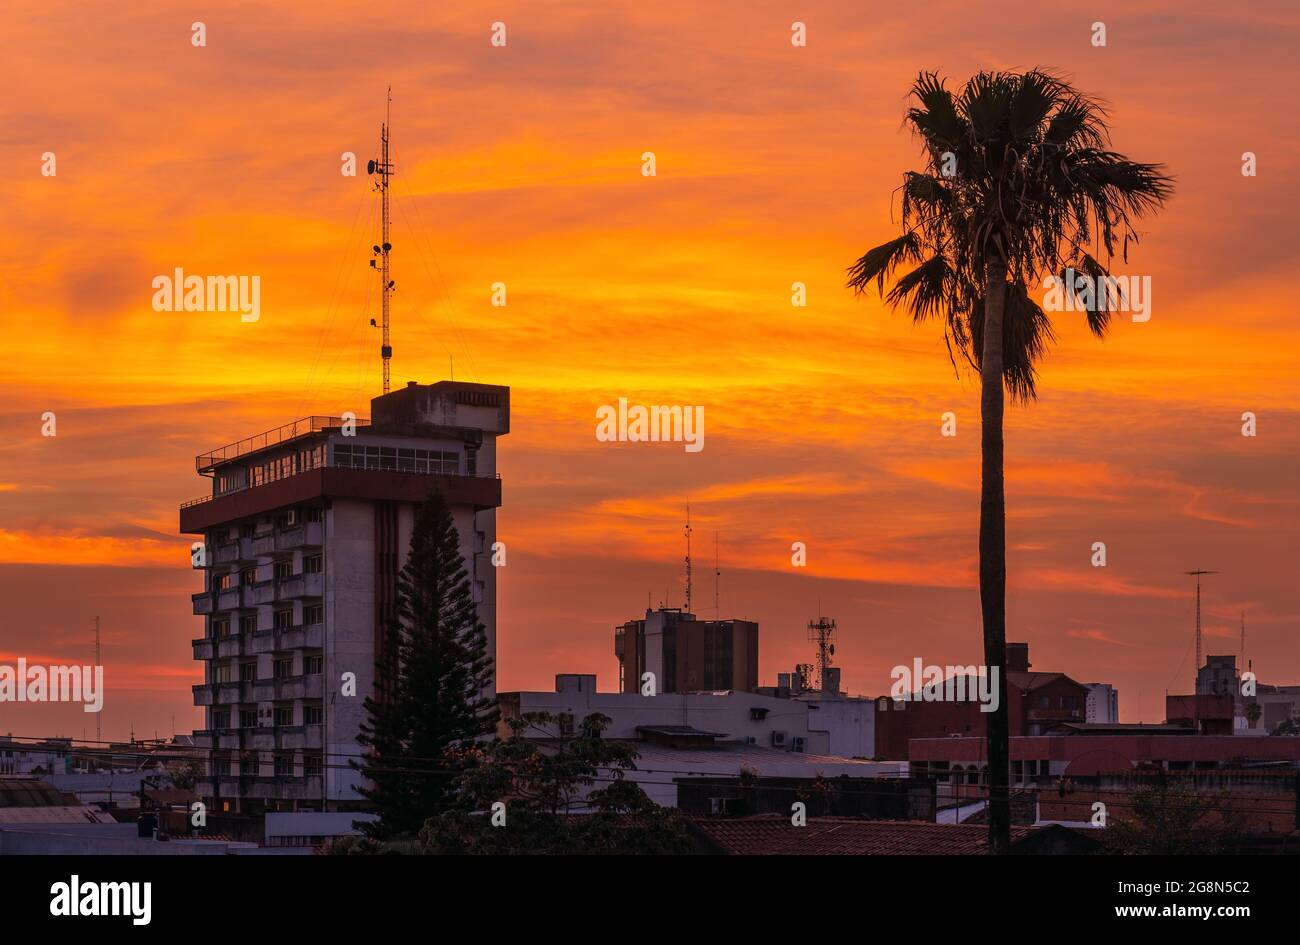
x,y
798,743
778,739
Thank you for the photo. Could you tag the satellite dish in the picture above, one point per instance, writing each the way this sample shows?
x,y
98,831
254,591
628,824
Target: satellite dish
x,y
387,247
370,168
832,649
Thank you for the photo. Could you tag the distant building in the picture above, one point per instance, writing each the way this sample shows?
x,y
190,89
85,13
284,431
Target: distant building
x,y
1102,703
1075,751
686,654
702,734
1036,702
824,836
306,529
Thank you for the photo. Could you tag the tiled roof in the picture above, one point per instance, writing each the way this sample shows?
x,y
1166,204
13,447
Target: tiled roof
x,y
845,836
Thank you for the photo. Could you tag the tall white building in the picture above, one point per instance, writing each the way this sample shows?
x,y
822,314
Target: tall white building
x,y
1101,703
305,531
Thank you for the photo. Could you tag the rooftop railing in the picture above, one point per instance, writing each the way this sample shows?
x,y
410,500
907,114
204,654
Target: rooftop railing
x,y
204,462
383,467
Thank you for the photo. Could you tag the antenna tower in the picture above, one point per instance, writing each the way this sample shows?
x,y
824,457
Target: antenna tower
x,y
822,633
382,170
1197,574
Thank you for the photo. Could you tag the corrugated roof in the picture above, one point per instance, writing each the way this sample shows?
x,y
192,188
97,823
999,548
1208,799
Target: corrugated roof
x,y
28,792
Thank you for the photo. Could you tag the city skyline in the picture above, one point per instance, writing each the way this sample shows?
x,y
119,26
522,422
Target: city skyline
x,y
823,421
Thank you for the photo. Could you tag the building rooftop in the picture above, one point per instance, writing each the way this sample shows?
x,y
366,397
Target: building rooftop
x,y
830,836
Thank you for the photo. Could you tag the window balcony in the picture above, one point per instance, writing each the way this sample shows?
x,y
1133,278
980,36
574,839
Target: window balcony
x,y
302,535
237,552
203,603
288,639
284,787
204,648
298,687
232,645
297,586
203,738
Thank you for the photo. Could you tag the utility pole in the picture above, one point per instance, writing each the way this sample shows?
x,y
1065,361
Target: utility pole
x,y
1197,668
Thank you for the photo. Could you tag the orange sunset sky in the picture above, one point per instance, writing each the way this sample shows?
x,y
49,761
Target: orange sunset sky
x,y
522,164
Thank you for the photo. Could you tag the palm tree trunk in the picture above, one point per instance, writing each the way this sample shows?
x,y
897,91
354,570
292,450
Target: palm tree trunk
x,y
993,553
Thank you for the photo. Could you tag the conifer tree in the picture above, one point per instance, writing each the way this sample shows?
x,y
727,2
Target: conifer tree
x,y
432,681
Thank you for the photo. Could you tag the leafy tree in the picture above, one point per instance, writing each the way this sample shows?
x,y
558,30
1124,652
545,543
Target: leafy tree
x,y
432,679
185,773
566,794
1019,183
1173,819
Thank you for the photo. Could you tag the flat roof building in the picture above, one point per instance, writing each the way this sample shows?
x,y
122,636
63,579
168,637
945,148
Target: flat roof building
x,y
305,531
686,654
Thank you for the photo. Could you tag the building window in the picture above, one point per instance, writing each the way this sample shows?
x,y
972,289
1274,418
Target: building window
x,y
284,715
313,665
248,577
313,715
220,628
284,767
221,673
247,672
315,514
284,668
226,581
313,564
247,624
220,719
313,766
283,570
283,619
247,718
313,614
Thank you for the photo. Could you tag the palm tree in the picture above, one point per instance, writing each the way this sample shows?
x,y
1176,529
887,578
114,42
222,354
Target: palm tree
x,y
1019,185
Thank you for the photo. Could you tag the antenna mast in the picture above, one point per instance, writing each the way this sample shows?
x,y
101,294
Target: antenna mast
x,y
1197,574
382,169
99,734
717,576
822,633
688,558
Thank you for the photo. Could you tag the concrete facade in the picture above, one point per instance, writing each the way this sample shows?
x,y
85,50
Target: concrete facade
x,y
304,534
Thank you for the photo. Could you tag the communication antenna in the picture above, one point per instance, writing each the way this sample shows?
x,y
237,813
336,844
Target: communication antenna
x,y
1243,640
822,633
382,170
98,662
717,576
1197,574
688,558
